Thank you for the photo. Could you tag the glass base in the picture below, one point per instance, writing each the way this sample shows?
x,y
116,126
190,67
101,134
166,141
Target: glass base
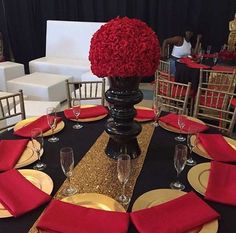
x,y
77,126
69,191
124,200
39,166
177,185
180,138
191,162
53,139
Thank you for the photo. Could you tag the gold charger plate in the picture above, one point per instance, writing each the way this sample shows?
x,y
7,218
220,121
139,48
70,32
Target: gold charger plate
x,y
28,156
199,149
27,121
91,118
96,201
198,177
144,108
174,130
40,179
159,196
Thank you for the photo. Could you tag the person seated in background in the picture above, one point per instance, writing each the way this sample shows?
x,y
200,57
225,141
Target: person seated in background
x,y
181,48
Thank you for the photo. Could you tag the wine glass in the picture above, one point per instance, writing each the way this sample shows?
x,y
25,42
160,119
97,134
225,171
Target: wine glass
x,y
215,58
52,122
37,142
157,105
67,165
190,160
200,55
181,125
76,106
180,159
123,172
208,51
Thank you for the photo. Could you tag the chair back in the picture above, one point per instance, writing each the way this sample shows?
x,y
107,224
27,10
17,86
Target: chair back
x,y
90,92
9,110
174,95
164,68
217,80
214,108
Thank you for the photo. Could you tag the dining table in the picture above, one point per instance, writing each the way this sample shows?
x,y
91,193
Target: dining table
x,y
156,172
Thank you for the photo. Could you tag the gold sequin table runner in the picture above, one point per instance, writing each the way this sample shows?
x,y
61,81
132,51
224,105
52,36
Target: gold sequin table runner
x,y
96,172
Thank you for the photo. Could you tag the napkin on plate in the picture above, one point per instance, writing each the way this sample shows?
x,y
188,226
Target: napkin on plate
x,y
18,195
10,152
144,114
190,126
40,122
89,112
181,214
217,147
222,68
195,65
68,218
222,183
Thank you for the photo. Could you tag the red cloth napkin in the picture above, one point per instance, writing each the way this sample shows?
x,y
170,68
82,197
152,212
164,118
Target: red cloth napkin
x,y
195,65
190,126
217,147
87,112
145,114
40,122
185,60
222,183
179,215
68,218
10,152
18,195
222,68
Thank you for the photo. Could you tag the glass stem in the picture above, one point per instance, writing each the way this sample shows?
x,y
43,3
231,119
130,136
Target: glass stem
x,y
69,183
123,189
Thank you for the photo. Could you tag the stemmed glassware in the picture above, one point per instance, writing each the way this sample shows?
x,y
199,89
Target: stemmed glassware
x,y
181,125
76,106
123,172
52,122
157,105
67,165
215,58
180,159
208,51
190,160
200,55
37,142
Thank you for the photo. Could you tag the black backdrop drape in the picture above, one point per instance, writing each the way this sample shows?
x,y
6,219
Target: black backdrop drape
x,y
23,22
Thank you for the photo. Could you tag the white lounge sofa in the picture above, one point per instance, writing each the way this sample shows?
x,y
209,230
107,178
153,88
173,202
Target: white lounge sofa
x,y
67,48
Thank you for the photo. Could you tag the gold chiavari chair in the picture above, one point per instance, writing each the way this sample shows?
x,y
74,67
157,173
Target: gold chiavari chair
x,y
92,92
11,107
213,107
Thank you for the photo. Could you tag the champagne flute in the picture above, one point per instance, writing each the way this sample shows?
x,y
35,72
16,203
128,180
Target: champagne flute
x,y
157,105
181,125
52,122
123,172
190,160
76,106
180,159
37,142
67,165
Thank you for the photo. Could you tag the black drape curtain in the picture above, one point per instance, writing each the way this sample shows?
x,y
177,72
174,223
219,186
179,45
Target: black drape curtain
x,y
23,22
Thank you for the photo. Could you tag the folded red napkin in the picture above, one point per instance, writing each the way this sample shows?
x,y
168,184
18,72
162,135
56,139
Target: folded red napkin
x,y
10,152
89,112
186,60
18,195
179,215
145,114
40,122
222,183
68,218
190,126
222,68
217,147
195,65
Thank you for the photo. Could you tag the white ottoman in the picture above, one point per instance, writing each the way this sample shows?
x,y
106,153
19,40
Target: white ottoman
x,y
9,70
41,86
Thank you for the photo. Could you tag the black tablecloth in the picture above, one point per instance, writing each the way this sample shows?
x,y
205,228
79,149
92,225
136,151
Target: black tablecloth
x,y
158,171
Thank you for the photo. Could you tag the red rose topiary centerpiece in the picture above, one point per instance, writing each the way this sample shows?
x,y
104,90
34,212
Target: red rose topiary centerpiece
x,y
124,50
